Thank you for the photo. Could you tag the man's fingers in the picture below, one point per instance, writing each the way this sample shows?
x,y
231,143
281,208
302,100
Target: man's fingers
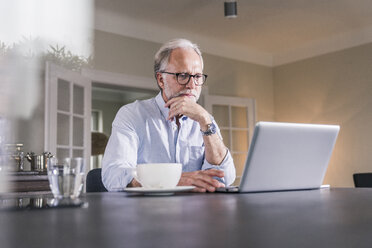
x,y
171,115
203,180
171,101
208,185
210,172
199,190
209,179
214,173
174,111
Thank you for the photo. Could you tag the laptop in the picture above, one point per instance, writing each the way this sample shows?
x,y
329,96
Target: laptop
x,y
286,156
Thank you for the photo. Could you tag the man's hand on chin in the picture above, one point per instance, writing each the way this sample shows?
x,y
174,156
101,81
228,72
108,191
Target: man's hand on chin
x,y
203,180
186,105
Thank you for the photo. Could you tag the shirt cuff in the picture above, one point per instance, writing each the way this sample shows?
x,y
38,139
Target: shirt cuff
x,y
118,179
227,166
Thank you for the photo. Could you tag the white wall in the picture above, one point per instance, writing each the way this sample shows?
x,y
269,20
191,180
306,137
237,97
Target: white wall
x,y
335,88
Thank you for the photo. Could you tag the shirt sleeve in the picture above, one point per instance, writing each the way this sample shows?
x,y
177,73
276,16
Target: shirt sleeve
x,y
227,164
120,156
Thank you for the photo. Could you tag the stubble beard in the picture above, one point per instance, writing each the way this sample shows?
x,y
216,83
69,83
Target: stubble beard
x,y
169,94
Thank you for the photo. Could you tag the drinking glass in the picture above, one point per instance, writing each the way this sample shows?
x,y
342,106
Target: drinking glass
x,y
66,177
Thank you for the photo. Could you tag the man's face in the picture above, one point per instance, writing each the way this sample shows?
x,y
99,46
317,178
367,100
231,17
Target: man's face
x,y
181,60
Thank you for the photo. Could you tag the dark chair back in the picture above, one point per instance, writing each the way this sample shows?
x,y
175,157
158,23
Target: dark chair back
x,y
94,181
363,180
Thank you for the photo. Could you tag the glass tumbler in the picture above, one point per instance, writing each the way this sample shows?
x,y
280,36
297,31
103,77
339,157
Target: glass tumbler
x,y
66,177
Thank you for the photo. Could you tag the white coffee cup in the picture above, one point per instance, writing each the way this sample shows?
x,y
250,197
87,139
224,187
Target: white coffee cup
x,y
158,175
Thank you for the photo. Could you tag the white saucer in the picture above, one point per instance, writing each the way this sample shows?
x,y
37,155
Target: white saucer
x,y
159,191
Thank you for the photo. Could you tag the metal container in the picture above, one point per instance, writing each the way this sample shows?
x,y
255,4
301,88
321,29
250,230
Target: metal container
x,y
38,162
16,156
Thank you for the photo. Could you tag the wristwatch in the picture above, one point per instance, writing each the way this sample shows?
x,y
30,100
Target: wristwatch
x,y
210,130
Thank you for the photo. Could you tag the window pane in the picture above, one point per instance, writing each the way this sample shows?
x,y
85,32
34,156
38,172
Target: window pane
x,y
94,121
239,117
78,153
240,141
78,100
78,135
63,129
62,154
226,138
63,95
221,115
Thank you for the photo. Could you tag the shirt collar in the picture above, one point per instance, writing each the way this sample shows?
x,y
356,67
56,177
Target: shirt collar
x,y
160,102
164,111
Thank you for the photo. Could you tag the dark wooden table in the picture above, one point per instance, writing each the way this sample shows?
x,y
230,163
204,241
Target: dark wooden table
x,y
340,217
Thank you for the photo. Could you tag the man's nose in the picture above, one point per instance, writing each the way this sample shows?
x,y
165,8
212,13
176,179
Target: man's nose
x,y
192,83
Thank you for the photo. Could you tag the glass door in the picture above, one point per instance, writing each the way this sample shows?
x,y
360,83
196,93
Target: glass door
x,y
68,107
236,118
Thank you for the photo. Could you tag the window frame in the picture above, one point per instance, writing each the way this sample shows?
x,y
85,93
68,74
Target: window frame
x,y
248,103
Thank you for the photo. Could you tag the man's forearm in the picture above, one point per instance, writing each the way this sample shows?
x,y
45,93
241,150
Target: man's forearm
x,y
215,150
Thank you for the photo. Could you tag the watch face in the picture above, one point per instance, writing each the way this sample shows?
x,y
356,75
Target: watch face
x,y
211,129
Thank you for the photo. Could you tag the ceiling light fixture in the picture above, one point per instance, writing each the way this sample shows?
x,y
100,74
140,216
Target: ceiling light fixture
x,y
231,9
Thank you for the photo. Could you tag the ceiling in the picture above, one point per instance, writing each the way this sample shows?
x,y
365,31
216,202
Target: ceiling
x,y
267,32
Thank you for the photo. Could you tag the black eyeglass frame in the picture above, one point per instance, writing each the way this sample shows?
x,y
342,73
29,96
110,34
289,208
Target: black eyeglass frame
x,y
190,75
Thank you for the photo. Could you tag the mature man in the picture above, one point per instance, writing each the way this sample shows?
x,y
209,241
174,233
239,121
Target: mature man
x,y
170,128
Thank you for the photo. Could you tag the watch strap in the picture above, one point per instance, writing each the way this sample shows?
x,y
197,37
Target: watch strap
x,y
211,129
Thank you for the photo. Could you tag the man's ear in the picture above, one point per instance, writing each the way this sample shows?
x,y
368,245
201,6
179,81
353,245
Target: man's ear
x,y
160,80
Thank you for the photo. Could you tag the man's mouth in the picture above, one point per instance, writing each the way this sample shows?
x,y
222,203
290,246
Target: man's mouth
x,y
187,94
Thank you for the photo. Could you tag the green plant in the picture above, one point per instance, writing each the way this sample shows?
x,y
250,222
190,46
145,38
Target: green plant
x,y
30,48
65,58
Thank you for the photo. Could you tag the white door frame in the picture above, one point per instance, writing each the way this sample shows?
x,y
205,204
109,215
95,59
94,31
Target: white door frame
x,y
250,103
52,74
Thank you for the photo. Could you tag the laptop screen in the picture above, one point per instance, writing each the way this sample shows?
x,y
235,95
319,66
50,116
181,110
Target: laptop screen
x,y
288,156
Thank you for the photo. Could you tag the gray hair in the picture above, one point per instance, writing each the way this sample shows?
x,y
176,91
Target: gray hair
x,y
162,56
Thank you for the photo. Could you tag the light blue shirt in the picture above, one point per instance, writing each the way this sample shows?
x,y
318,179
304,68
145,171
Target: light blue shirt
x,y
142,134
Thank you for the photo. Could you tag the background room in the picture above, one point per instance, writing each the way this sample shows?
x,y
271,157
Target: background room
x,y
289,61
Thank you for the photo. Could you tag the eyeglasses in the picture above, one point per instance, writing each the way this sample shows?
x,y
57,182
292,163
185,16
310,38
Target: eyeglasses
x,y
184,78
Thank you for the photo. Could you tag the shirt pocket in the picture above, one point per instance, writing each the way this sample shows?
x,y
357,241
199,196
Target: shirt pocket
x,y
196,158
